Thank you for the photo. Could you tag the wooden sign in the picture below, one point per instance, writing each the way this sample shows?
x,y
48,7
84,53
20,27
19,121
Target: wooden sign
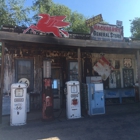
x,y
92,21
106,32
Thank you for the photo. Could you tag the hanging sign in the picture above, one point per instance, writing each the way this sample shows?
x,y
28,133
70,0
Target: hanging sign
x,y
92,21
106,32
50,24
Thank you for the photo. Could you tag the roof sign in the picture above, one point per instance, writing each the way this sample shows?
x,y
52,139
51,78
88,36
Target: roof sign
x,y
106,32
92,21
50,24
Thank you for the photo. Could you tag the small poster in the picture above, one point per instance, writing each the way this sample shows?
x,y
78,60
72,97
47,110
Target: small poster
x,y
115,79
127,62
128,77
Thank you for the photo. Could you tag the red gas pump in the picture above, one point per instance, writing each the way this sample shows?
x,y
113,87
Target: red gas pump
x,y
47,96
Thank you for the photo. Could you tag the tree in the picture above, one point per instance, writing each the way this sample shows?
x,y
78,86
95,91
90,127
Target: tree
x,y
48,7
135,28
77,20
4,15
42,6
14,13
78,23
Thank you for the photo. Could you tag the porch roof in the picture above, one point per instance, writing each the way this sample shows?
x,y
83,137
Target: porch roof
x,y
129,47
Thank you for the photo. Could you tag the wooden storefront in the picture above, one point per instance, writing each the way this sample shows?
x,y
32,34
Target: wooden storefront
x,y
65,54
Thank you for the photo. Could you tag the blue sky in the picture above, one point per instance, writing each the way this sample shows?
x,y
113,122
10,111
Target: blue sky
x,y
111,10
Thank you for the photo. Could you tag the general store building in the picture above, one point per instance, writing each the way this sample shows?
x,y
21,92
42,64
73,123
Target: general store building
x,y
72,58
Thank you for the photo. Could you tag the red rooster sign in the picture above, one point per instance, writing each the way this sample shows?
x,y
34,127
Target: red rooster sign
x,y
50,24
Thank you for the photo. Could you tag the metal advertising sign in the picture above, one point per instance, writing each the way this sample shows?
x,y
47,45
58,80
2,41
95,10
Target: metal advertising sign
x,y
103,68
92,21
106,32
119,23
50,24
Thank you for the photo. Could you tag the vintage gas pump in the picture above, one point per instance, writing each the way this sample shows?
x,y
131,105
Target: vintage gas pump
x,y
47,96
18,113
73,104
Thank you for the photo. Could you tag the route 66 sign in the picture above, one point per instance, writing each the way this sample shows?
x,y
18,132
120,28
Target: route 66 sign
x,y
24,80
127,62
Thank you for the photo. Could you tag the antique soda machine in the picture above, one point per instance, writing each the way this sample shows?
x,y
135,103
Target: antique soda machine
x,y
47,96
18,114
73,105
96,101
56,93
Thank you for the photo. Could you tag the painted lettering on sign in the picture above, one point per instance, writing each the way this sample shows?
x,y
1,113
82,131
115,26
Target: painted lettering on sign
x,y
92,21
106,32
19,100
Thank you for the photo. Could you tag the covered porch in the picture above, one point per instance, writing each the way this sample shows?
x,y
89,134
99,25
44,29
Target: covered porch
x,y
65,54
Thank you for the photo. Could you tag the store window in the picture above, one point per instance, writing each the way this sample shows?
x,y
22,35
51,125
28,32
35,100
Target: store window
x,y
24,69
73,71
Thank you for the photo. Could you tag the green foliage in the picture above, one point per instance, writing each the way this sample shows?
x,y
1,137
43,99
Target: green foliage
x,y
4,14
77,20
18,12
78,23
41,6
57,9
135,28
14,13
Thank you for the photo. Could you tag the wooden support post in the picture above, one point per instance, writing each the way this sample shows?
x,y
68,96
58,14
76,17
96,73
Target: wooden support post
x,y
79,65
2,79
138,65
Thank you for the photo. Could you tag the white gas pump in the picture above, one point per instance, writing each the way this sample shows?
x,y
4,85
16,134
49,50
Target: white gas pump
x,y
18,113
73,105
26,81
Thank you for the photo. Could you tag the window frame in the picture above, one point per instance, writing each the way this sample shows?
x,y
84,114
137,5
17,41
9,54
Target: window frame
x,y
31,87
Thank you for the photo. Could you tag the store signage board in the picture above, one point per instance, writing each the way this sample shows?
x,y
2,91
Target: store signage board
x,y
92,21
119,23
106,32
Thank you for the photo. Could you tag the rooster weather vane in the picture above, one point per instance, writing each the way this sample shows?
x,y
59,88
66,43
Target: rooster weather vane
x,y
50,24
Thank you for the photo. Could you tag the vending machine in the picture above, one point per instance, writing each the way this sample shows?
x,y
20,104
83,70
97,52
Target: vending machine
x,y
56,93
18,114
96,100
73,104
